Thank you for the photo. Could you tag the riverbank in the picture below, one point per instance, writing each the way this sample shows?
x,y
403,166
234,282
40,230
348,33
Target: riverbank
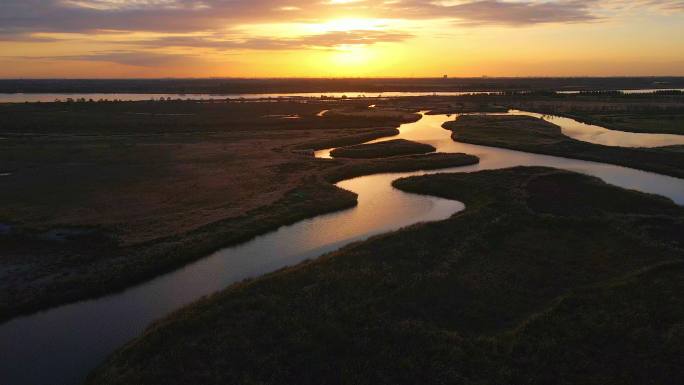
x,y
384,149
529,134
139,189
380,209
119,267
645,122
655,113
651,114
466,299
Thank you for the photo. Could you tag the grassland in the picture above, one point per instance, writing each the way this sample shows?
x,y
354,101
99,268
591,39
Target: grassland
x,y
105,195
661,123
649,113
387,148
517,289
530,134
156,169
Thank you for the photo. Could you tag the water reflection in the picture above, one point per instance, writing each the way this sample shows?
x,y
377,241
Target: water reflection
x,y
430,132
61,345
51,97
600,135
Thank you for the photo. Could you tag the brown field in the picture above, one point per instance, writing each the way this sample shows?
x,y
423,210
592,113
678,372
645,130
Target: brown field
x,y
145,171
104,195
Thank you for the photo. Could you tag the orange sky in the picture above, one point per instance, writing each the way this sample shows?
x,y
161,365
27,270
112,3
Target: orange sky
x,y
278,38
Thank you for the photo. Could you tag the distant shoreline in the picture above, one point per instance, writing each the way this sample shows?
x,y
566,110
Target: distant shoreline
x,y
219,86
32,97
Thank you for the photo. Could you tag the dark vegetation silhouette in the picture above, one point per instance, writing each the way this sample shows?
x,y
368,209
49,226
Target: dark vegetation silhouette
x,y
394,147
105,195
525,133
228,85
517,289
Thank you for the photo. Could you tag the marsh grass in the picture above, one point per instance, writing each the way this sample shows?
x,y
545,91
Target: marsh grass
x,y
525,133
510,291
384,149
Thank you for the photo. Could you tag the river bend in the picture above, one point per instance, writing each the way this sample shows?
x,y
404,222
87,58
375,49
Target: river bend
x,y
61,345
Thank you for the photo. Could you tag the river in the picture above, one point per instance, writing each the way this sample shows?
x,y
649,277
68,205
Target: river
x,y
599,135
51,97
61,345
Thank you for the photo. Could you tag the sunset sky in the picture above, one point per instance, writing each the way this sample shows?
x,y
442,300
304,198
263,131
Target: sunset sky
x,y
283,38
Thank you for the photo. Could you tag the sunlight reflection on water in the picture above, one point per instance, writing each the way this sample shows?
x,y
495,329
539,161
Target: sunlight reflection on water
x,y
61,345
600,135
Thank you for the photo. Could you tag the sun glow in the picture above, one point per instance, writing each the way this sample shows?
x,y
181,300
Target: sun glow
x,y
337,38
352,55
347,25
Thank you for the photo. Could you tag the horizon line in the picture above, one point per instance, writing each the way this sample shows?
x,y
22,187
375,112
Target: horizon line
x,y
355,77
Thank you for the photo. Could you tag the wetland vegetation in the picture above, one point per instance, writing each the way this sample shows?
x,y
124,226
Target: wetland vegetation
x,y
233,85
141,188
548,276
535,135
515,290
384,149
647,122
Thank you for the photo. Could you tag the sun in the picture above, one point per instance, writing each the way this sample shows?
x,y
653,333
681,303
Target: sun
x,y
351,58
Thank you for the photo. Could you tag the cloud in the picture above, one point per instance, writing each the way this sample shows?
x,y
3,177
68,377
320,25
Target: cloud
x,y
324,40
130,58
143,57
185,16
521,13
107,5
673,5
24,37
211,21
30,16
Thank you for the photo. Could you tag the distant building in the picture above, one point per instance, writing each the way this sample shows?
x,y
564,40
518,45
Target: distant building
x,y
445,76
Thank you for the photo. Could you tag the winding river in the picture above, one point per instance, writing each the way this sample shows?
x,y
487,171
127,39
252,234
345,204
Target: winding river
x,y
600,135
61,345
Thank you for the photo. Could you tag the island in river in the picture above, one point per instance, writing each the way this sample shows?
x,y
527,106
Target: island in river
x,y
464,298
530,134
524,287
387,148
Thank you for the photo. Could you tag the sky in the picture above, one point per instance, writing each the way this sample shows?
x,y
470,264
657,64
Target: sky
x,y
339,38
